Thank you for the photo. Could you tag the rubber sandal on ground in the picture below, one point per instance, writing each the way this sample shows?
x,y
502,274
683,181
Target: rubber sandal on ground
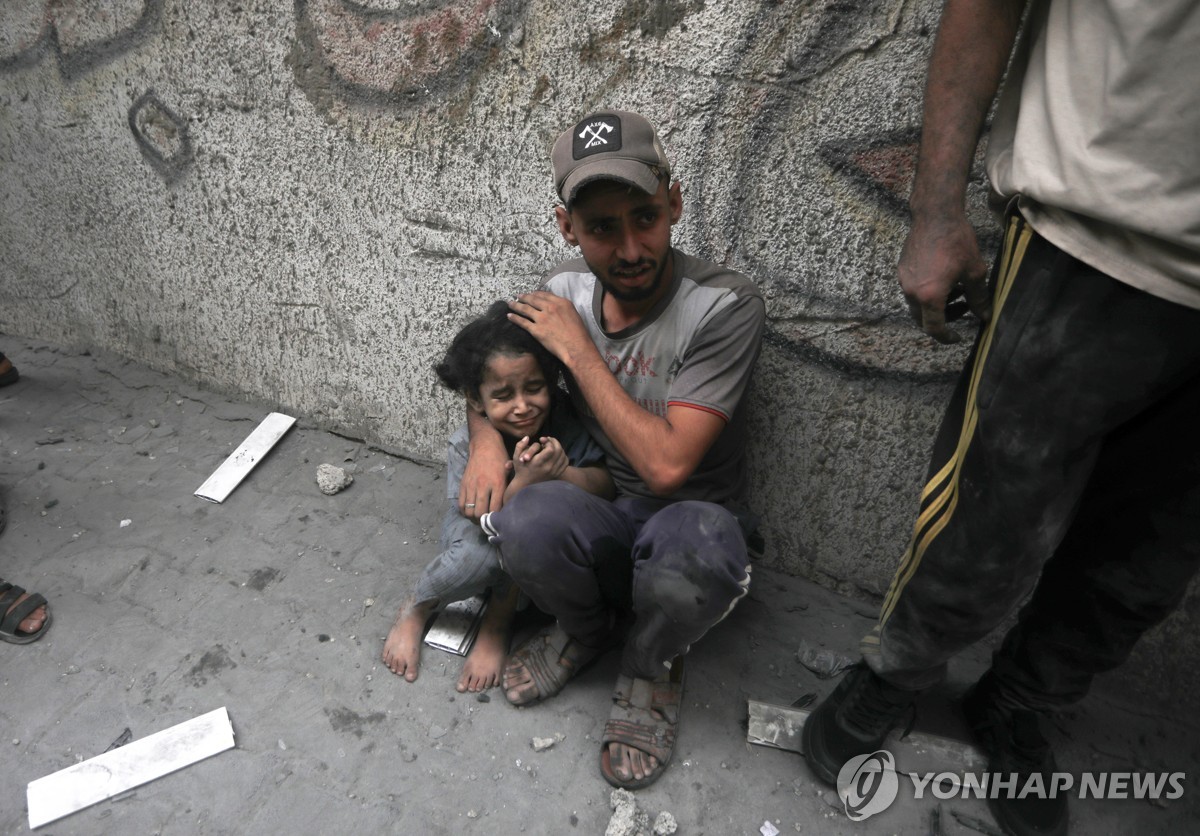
x,y
10,621
634,722
8,372
551,658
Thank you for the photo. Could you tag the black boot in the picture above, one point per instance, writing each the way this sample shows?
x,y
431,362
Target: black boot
x,y
1013,743
853,720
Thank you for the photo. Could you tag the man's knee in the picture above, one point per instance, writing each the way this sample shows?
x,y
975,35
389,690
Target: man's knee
x,y
698,531
697,565
530,523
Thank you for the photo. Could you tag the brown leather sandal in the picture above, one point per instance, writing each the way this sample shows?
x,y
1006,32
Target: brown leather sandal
x,y
644,716
551,658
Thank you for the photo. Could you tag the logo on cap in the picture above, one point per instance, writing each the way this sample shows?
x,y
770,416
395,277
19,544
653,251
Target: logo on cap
x,y
596,136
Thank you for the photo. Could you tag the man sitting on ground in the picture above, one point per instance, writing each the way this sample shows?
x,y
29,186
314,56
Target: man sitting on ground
x,y
658,349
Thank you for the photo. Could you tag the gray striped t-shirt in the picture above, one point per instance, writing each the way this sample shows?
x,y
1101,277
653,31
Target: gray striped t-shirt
x,y
696,347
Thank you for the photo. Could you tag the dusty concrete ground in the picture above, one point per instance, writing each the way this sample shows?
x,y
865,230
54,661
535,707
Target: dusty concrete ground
x,y
263,604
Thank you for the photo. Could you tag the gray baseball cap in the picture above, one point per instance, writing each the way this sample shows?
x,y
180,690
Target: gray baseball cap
x,y
608,145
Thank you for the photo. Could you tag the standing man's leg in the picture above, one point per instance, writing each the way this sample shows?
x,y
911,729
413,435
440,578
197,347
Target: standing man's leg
x,y
1123,567
1070,356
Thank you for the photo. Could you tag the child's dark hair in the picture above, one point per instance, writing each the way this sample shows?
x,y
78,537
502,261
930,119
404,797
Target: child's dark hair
x,y
463,366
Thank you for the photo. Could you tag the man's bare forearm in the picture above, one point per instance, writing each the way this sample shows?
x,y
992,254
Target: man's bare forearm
x,y
484,479
661,455
973,45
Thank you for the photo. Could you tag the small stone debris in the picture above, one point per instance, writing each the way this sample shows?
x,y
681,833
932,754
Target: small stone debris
x,y
126,523
627,819
482,697
665,824
541,744
824,663
331,479
978,825
768,829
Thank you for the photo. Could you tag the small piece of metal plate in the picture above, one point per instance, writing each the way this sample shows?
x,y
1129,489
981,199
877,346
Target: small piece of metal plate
x,y
242,460
781,727
71,789
456,627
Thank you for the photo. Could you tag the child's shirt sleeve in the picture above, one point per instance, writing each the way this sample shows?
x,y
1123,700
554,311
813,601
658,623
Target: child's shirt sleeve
x,y
458,449
564,424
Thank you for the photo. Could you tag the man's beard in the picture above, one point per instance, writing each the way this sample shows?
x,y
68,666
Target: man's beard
x,y
636,294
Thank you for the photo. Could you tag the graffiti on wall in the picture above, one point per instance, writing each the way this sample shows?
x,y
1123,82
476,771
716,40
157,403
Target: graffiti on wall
x,y
162,137
393,53
836,298
81,35
383,57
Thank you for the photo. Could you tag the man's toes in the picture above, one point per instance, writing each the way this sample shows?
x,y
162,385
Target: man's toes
x,y
515,679
631,763
644,764
34,621
618,756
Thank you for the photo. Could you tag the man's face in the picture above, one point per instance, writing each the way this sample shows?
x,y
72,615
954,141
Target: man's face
x,y
624,235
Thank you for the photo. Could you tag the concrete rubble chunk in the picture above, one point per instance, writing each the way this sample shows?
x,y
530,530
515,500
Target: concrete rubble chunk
x,y
627,819
665,824
331,479
541,744
823,662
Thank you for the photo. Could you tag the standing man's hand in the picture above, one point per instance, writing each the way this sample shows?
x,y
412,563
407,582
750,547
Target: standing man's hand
x,y
941,261
553,322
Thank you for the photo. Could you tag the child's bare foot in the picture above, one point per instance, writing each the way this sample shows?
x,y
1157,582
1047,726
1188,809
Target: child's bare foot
x,y
402,648
485,662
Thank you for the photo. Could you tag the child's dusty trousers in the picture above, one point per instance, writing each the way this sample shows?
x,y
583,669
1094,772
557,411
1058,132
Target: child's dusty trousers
x,y
680,567
1069,451
467,564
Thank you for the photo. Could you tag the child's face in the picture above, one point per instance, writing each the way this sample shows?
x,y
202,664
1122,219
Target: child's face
x,y
514,395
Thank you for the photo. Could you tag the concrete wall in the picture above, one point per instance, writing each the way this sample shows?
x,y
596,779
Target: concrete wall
x,y
301,201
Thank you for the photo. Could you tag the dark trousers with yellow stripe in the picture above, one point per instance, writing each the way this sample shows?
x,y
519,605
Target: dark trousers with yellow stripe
x,y
1068,463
